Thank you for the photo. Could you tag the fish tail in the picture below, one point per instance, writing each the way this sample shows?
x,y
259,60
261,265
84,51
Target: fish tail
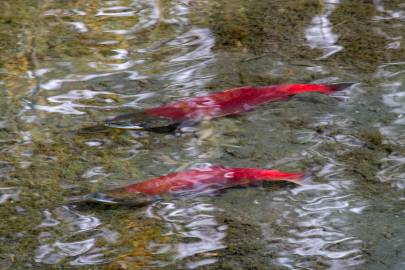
x,y
98,128
99,197
113,197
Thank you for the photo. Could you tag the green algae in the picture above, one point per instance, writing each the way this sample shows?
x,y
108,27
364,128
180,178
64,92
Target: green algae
x,y
366,161
57,155
137,234
52,165
262,26
276,29
363,49
245,247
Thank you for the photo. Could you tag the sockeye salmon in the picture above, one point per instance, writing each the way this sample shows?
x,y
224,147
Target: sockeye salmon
x,y
194,181
229,102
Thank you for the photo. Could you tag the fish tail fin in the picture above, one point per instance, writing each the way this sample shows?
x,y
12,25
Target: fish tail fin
x,y
335,87
113,197
95,197
98,128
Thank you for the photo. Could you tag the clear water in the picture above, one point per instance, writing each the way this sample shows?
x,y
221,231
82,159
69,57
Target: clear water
x,y
65,65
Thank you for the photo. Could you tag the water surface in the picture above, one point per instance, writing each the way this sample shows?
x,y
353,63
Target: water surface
x,y
65,65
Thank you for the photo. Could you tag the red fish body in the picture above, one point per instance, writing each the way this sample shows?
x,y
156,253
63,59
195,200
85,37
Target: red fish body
x,y
233,101
196,180
228,102
220,177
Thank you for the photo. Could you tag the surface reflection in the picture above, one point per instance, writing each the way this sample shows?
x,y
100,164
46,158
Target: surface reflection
x,y
320,34
393,166
196,229
9,194
315,236
388,14
57,246
65,65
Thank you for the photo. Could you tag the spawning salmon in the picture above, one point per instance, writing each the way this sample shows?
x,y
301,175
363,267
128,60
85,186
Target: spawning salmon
x,y
167,117
193,181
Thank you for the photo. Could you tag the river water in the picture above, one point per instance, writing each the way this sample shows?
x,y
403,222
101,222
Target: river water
x,y
65,65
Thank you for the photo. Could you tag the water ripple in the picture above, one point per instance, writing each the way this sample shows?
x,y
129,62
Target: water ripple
x,y
388,14
316,236
104,58
9,194
77,244
194,224
393,171
320,35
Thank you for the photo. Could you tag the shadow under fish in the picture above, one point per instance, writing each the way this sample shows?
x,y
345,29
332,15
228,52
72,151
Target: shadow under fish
x,y
193,182
190,111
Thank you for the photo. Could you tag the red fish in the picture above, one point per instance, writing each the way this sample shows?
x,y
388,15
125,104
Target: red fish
x,y
228,102
193,181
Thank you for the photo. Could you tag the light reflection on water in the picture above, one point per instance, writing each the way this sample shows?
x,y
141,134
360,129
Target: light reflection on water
x,y
143,53
195,228
317,233
54,248
320,34
9,194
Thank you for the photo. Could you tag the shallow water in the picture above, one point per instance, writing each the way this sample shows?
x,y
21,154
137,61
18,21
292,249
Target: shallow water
x,y
65,65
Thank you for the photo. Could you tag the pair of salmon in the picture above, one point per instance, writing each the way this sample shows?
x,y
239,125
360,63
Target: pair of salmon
x,y
194,110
